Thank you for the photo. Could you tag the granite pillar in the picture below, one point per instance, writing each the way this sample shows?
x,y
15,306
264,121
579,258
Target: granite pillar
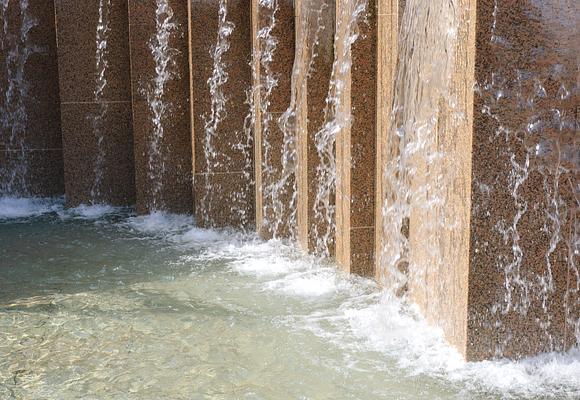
x,y
389,13
355,143
30,138
273,39
221,77
480,206
95,93
524,283
315,22
158,37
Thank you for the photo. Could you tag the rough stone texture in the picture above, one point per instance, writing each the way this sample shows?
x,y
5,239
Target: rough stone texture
x,y
355,147
269,106
41,135
164,179
232,144
77,48
316,28
523,275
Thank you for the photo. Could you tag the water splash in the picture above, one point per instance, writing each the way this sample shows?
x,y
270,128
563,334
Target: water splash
x,y
159,107
17,48
98,120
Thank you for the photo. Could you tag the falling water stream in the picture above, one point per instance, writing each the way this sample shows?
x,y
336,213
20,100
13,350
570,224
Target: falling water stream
x,y
218,109
159,106
411,172
338,118
98,120
278,180
17,45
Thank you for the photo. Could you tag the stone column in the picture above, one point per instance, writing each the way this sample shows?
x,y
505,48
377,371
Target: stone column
x,y
273,38
161,111
389,14
220,55
524,280
480,203
315,22
355,144
95,93
30,138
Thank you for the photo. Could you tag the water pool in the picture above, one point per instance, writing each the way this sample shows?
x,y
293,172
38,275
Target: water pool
x,y
96,303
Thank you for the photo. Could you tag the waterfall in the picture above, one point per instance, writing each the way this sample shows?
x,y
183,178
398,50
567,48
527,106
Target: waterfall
x,y
17,47
98,120
165,71
218,110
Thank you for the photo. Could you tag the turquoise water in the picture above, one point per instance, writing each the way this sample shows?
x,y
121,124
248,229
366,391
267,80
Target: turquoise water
x,y
96,303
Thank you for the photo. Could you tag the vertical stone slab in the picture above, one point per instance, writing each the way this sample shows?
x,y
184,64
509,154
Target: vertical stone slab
x,y
159,43
223,143
425,163
315,35
523,275
30,138
273,38
389,13
95,93
479,202
355,146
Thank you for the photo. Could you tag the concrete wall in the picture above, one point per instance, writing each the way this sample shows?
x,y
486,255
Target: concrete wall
x,y
95,101
30,138
161,109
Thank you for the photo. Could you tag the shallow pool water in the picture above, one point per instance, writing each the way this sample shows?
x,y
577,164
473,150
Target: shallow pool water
x,y
96,303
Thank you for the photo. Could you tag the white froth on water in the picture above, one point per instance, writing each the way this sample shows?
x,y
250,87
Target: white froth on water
x,y
368,319
91,211
367,329
17,207
160,223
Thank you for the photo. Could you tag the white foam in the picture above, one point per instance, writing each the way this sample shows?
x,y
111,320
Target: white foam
x,y
160,223
14,207
307,284
94,211
390,327
369,320
549,375
199,236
